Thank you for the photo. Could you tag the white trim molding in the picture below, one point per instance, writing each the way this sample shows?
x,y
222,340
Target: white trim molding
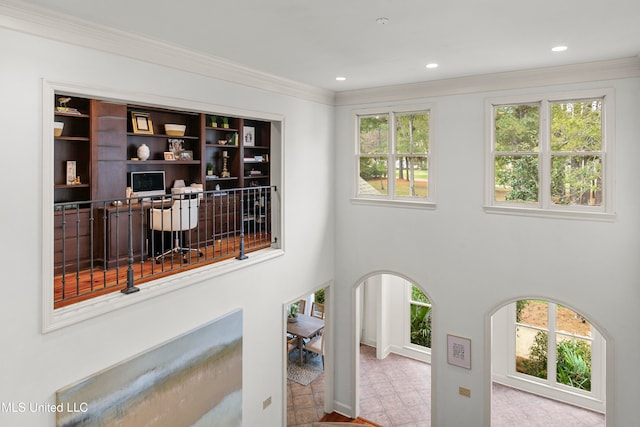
x,y
568,74
64,28
41,22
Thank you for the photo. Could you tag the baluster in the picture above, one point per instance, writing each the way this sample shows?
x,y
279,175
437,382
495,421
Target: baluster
x,y
130,288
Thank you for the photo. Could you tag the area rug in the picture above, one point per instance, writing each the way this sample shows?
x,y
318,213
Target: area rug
x,y
306,373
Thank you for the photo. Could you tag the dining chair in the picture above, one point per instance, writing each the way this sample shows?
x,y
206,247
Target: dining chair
x,y
317,310
292,345
316,345
301,306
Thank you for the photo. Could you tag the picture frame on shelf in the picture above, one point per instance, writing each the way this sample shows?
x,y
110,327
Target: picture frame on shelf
x,y
176,146
459,351
71,172
168,155
141,123
186,155
249,136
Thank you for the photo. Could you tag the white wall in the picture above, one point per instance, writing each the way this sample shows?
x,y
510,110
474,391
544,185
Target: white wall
x,y
385,317
34,365
471,262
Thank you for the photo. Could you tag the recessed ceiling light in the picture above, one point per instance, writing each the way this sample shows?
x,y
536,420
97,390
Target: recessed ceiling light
x,y
341,79
559,48
432,65
382,20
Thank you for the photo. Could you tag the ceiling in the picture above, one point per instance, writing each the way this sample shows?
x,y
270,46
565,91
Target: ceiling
x,y
314,42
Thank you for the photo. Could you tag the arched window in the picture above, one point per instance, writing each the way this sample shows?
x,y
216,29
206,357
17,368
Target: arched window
x,y
549,349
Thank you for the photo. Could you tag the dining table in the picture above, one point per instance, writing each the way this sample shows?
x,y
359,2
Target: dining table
x,y
304,326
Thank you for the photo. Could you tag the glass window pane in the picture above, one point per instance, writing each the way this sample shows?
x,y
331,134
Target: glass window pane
x,y
411,176
576,180
420,325
373,176
418,295
576,126
517,128
531,351
374,134
532,312
412,133
573,365
516,178
571,322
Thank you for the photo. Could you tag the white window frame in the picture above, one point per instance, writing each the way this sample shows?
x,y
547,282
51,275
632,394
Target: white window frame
x,y
391,198
550,387
410,301
544,207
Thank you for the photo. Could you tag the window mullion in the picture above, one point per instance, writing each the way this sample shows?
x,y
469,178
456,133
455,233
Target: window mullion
x,y
391,156
552,348
544,167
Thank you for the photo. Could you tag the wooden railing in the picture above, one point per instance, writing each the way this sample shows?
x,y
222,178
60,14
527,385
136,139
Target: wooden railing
x,y
109,245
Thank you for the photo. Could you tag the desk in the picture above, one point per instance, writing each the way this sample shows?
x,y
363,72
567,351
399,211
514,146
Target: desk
x,y
112,233
305,327
219,218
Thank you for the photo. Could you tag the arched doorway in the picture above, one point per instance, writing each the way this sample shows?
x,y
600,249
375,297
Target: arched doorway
x,y
392,364
308,375
550,359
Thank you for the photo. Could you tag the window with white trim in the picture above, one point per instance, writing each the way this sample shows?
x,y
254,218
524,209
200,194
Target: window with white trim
x,y
393,155
419,317
557,347
551,153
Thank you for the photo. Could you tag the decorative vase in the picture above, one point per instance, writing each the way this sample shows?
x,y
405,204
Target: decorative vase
x,y
143,152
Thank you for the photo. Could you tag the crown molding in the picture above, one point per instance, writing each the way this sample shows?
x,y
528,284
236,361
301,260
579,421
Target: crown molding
x,y
540,77
18,16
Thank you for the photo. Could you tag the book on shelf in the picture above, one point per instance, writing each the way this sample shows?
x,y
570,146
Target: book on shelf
x,y
68,110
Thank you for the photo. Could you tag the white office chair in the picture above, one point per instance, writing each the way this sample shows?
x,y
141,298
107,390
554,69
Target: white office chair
x,y
181,216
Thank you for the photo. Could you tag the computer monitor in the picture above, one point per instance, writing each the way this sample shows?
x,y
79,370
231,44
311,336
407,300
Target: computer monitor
x,y
148,184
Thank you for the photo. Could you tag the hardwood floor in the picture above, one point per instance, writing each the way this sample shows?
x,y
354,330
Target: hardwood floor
x,y
335,417
86,284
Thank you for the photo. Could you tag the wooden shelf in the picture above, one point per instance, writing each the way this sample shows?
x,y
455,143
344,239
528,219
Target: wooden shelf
x,y
222,129
161,135
163,162
72,138
71,186
222,179
63,114
221,145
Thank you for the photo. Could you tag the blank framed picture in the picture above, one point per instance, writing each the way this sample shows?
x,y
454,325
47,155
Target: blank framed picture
x,y
71,172
459,351
249,136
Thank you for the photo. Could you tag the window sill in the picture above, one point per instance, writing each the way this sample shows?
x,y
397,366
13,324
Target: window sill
x,y
76,313
548,213
394,203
